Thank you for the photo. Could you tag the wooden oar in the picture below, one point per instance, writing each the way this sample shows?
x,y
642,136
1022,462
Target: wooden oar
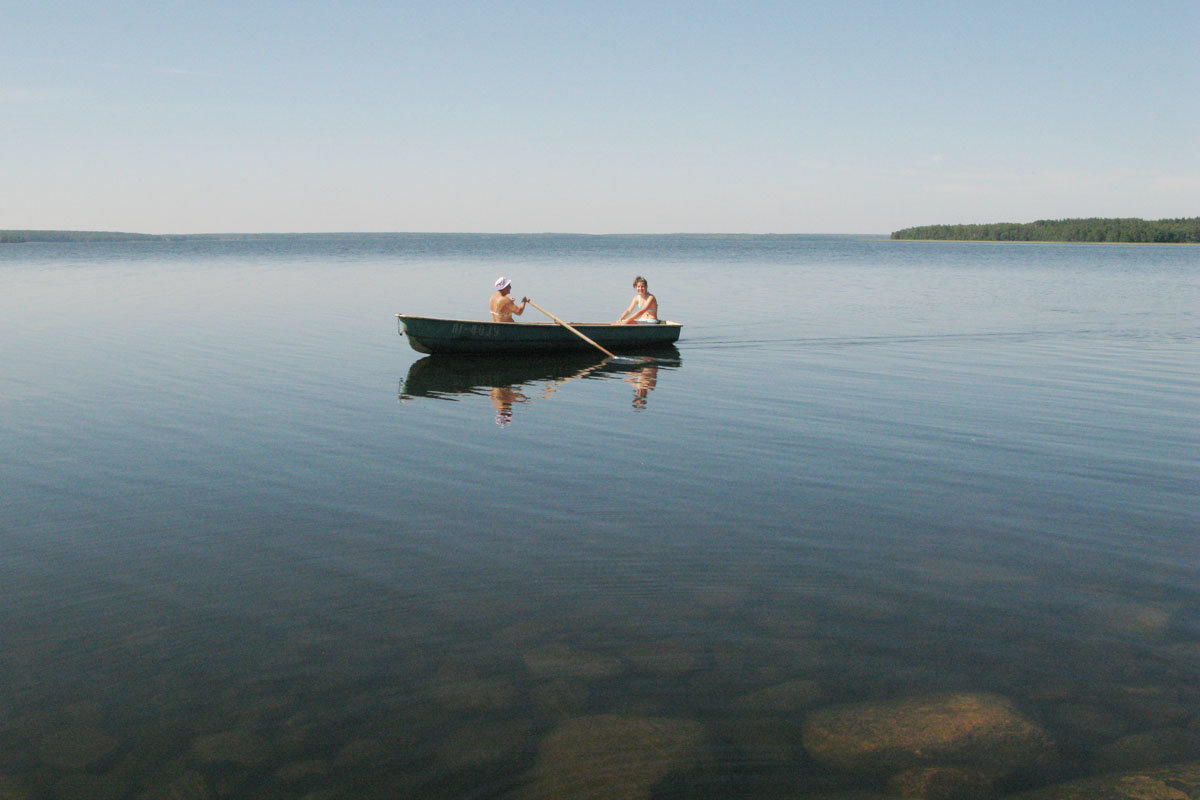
x,y
571,329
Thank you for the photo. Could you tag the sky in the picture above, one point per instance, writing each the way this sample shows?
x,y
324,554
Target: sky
x,y
596,117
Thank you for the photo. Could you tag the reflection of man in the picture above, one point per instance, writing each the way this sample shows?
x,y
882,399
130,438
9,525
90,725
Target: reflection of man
x,y
502,306
502,399
643,383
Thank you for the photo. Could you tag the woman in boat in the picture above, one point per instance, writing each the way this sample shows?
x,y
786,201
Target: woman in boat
x,y
643,307
502,306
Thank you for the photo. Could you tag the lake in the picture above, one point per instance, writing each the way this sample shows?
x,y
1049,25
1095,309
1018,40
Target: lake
x,y
893,519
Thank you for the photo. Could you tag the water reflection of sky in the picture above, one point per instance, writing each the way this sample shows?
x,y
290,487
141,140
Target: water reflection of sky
x,y
510,381
919,477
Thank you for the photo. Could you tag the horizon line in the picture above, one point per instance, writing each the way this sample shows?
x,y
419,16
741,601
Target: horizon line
x,y
443,233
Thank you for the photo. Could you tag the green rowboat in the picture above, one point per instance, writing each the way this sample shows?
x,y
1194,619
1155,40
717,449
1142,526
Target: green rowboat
x,y
461,336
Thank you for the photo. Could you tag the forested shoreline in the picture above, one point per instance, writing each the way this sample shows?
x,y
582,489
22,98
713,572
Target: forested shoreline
x,y
21,237
1184,230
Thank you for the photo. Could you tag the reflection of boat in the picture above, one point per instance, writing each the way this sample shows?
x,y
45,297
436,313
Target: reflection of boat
x,y
441,376
433,335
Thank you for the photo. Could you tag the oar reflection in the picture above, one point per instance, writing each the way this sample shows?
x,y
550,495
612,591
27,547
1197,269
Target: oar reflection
x,y
511,381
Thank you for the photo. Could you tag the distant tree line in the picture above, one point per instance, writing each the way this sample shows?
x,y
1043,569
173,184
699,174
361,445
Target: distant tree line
x,y
17,237
1095,229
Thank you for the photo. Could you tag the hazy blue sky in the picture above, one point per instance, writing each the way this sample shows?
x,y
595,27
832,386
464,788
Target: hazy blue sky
x,y
802,117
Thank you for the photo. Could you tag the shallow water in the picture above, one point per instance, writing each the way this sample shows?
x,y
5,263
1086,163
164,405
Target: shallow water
x,y
255,546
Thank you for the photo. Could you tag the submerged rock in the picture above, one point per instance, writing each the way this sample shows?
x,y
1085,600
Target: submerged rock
x,y
564,661
942,783
1160,746
468,690
784,624
560,698
852,794
1184,651
1171,782
237,747
360,751
782,697
10,789
76,748
1151,706
666,659
85,786
969,573
86,713
762,740
484,743
190,785
722,596
980,730
1088,721
611,757
302,770
523,633
1136,619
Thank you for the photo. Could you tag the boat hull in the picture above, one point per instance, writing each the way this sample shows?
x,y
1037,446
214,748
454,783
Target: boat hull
x,y
460,336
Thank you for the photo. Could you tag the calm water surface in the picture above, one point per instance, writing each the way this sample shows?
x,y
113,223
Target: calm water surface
x,y
894,519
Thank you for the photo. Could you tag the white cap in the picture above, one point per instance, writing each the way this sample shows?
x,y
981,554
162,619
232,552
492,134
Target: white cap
x,y
502,283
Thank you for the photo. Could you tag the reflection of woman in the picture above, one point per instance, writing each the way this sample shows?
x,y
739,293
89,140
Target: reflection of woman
x,y
643,383
643,307
503,398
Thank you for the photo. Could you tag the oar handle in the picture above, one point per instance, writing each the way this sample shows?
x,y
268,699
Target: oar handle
x,y
571,329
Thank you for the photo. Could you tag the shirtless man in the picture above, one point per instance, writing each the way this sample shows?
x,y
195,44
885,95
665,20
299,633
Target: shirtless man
x,y
502,306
